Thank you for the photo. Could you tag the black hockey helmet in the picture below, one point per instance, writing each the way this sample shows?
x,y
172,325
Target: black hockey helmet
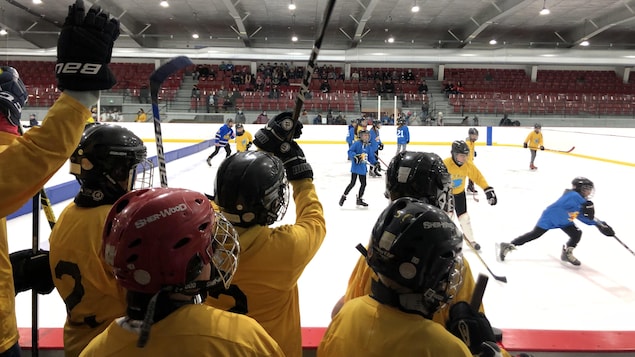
x,y
251,189
459,147
363,132
537,126
472,131
376,122
581,184
417,246
421,175
13,94
107,155
401,121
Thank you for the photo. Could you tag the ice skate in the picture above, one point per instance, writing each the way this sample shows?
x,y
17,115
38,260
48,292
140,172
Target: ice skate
x,y
209,161
532,167
504,249
567,256
342,199
360,202
372,173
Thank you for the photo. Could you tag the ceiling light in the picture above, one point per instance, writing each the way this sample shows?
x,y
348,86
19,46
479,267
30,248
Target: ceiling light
x,y
292,6
544,10
585,43
391,39
493,41
37,2
415,8
3,32
164,4
194,35
294,38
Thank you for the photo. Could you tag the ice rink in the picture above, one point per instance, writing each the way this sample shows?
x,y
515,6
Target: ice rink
x,y
541,293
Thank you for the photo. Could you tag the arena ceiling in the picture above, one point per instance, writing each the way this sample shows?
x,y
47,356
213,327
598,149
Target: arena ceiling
x,y
362,24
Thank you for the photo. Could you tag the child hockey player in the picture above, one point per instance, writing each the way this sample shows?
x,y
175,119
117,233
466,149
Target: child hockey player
x,y
472,136
244,139
573,204
460,168
375,146
361,155
403,135
221,140
534,142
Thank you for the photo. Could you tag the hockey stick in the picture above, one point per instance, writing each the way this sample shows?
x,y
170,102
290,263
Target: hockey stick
x,y
624,245
310,67
35,243
565,151
156,78
478,255
479,291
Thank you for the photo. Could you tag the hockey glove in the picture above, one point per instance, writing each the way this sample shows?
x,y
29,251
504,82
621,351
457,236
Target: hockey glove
x,y
32,271
491,196
542,147
359,158
524,145
605,229
588,210
277,134
474,153
490,349
84,49
248,146
295,163
471,326
381,146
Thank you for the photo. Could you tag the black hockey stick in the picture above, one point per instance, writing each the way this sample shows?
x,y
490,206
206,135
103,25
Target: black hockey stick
x,y
156,78
479,291
310,67
478,255
624,245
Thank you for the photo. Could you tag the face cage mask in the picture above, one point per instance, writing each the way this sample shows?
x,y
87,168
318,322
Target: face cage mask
x,y
448,286
141,175
278,198
226,249
588,188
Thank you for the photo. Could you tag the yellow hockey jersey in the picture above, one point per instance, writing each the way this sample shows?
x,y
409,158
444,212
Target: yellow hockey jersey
x,y
366,328
192,330
27,163
84,281
459,173
243,140
271,262
360,281
534,140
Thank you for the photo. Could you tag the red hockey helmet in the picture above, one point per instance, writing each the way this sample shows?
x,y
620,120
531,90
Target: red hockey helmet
x,y
163,237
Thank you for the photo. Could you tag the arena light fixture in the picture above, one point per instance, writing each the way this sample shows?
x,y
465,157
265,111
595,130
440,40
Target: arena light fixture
x,y
545,10
164,4
585,43
195,36
292,5
37,2
3,32
415,7
294,38
493,41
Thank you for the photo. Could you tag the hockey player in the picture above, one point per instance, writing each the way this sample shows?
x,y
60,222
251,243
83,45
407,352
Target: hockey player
x,y
375,146
252,191
221,140
403,135
167,266
361,156
415,251
86,37
573,204
460,169
472,136
534,142
105,164
244,139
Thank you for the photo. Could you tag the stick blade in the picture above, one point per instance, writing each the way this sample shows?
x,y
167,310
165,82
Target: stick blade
x,y
162,73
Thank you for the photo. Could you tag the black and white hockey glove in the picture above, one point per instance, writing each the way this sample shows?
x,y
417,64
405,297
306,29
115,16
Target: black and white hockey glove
x,y
605,229
84,49
491,196
524,145
381,146
359,158
542,147
588,210
32,271
472,327
248,146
